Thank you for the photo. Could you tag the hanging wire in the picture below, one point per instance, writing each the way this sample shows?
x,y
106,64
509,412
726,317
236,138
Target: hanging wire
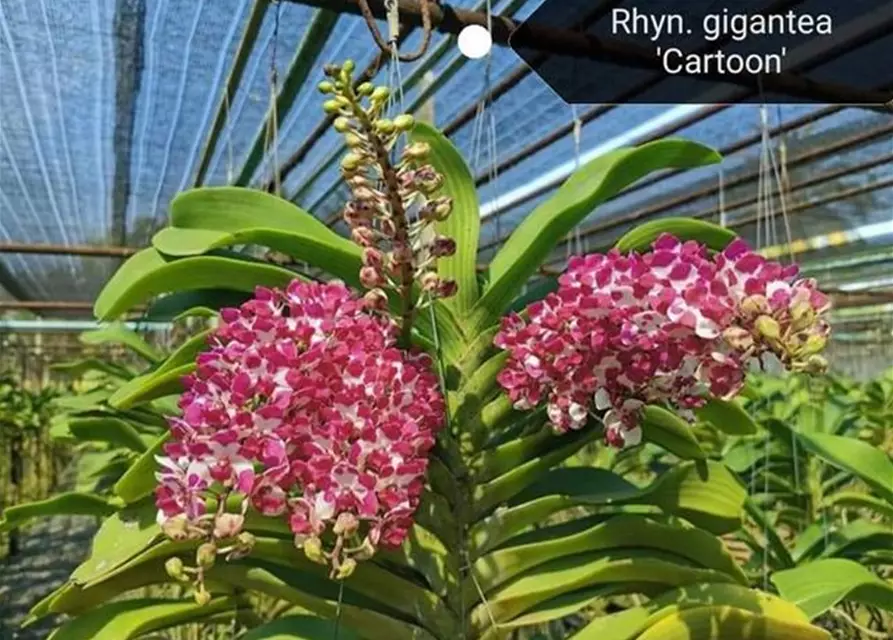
x,y
271,135
484,128
387,46
721,193
230,165
574,246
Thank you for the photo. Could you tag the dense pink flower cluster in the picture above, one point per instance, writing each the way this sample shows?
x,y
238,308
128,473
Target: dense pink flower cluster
x,y
305,407
673,325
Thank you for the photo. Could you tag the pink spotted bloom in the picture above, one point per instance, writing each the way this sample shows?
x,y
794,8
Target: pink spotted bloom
x,y
671,326
305,408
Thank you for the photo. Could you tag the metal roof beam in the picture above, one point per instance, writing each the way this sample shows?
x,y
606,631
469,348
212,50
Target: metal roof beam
x,y
67,250
450,19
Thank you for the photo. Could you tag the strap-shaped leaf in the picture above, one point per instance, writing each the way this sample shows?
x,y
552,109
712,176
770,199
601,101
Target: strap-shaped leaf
x,y
728,623
464,223
728,416
139,479
486,497
119,334
211,217
71,503
132,618
186,353
202,302
618,532
292,587
868,463
705,494
707,233
121,537
79,368
844,540
150,386
147,274
533,240
627,625
666,429
853,500
569,573
304,627
115,431
817,586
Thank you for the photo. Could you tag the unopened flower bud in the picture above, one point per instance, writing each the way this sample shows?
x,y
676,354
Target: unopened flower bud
x,y
370,277
738,338
355,215
351,161
375,300
347,72
176,528
428,180
429,282
202,596
352,140
246,540
326,87
365,89
341,124
384,126
754,305
345,569
366,550
358,181
443,206
814,344
228,525
816,364
404,122
768,327
313,550
206,555
443,247
802,315
447,289
387,227
380,94
175,569
331,106
346,524
416,151
372,257
364,194
363,236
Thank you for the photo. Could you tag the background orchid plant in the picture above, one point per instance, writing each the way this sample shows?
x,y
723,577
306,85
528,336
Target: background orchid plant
x,y
391,442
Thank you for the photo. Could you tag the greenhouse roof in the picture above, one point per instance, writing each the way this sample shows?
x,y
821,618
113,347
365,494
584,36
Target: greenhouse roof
x,y
111,107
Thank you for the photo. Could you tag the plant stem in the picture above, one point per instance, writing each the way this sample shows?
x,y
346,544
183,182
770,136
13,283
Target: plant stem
x,y
398,213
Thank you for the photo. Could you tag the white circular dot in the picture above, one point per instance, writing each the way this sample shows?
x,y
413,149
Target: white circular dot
x,y
475,41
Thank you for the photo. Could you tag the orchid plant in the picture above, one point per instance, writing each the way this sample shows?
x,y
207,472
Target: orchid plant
x,y
384,443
